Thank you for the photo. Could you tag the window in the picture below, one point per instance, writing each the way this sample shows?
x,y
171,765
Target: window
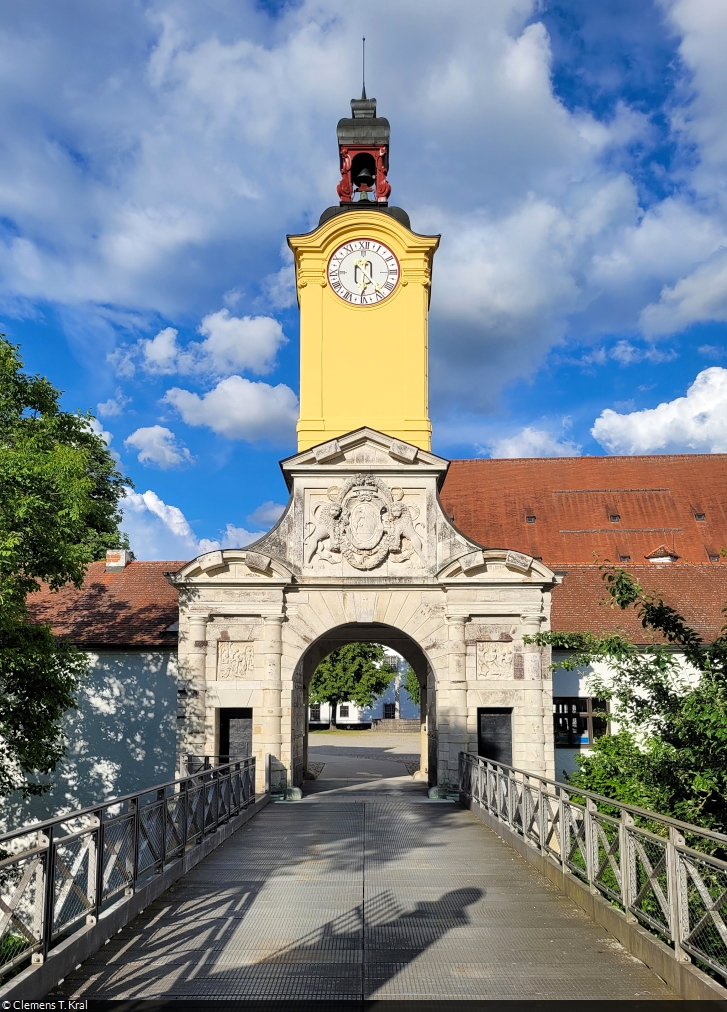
x,y
530,520
624,558
342,711
700,516
315,713
615,518
389,711
578,720
714,558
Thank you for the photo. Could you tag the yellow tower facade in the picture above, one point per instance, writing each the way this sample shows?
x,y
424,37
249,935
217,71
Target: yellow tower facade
x,y
363,281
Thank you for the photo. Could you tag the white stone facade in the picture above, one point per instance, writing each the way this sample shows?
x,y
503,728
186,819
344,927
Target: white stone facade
x,y
364,551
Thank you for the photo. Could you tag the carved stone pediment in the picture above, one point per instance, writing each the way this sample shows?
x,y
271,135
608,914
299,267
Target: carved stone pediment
x,y
364,448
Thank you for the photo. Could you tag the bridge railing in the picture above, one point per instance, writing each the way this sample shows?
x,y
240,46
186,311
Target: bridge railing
x,y
668,875
59,875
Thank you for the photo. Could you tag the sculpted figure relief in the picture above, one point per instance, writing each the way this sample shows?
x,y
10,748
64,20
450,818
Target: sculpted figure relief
x,y
234,660
365,523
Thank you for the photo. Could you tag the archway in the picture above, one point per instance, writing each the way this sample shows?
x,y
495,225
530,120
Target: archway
x,y
365,632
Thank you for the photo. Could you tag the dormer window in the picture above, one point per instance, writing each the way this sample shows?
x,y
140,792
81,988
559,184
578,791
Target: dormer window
x,y
530,520
614,518
624,558
714,558
700,516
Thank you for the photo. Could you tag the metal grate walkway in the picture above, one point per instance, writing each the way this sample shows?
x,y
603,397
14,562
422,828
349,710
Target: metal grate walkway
x,y
351,895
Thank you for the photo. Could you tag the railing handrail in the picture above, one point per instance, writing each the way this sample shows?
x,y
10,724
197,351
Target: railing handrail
x,y
623,805
663,881
38,827
58,882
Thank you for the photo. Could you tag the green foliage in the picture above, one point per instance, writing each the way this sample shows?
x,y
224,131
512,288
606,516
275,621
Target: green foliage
x,y
59,510
411,684
670,753
352,673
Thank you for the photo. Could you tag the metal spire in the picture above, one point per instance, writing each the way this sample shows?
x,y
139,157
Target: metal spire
x,y
363,68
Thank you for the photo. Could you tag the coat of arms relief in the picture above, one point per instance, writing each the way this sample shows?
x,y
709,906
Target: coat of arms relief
x,y
364,522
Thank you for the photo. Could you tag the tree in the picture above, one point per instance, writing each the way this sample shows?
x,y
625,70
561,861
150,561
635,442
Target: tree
x,y
411,684
351,673
59,510
670,752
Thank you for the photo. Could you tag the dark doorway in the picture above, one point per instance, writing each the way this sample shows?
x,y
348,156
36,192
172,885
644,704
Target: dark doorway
x,y
494,734
235,733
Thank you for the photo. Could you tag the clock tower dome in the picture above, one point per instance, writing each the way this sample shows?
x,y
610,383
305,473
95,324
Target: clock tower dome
x,y
363,280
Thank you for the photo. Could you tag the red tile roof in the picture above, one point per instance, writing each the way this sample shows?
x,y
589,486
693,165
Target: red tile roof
x,y
698,593
133,608
572,499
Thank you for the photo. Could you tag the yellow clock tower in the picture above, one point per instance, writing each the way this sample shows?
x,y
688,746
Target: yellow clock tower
x,y
363,280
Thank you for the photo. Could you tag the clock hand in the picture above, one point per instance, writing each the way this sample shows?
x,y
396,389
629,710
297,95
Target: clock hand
x,y
361,264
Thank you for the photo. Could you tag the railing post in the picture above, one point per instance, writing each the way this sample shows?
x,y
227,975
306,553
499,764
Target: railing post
x,y
134,805
628,870
48,895
589,826
217,783
185,809
673,880
542,821
563,833
98,887
161,796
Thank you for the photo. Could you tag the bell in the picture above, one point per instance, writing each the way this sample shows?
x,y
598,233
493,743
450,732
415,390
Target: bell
x,y
364,177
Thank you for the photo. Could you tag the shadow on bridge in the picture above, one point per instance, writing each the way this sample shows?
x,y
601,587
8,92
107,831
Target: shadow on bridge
x,y
348,957
282,910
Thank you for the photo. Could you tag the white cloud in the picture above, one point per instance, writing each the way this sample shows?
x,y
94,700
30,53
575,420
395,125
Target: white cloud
x,y
240,409
701,296
114,405
267,513
231,343
238,537
159,355
234,343
159,447
694,423
159,531
530,442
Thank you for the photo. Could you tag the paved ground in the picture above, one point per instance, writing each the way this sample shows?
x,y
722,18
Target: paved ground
x,y
364,889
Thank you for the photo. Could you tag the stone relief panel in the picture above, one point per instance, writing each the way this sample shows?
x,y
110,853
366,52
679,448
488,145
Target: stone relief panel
x,y
495,659
365,522
235,660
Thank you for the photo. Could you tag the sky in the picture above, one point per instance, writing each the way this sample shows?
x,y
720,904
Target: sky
x,y
155,153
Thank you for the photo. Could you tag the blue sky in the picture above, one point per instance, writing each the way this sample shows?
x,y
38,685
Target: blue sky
x,y
572,155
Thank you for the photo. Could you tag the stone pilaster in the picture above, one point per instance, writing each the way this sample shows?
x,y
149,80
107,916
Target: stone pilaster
x,y
453,707
530,734
195,685
271,713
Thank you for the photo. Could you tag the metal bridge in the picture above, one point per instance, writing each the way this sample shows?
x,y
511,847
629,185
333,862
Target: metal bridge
x,y
364,889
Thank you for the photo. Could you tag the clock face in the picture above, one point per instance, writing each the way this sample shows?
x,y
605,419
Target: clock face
x,y
363,272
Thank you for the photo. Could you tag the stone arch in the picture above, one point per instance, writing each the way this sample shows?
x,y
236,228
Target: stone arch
x,y
364,632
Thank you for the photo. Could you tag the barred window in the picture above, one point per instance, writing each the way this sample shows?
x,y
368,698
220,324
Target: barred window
x,y
342,711
315,712
578,720
389,711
